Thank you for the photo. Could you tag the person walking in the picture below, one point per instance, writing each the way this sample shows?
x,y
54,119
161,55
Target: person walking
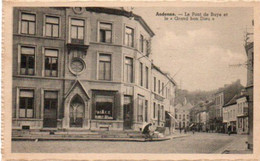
x,y
229,130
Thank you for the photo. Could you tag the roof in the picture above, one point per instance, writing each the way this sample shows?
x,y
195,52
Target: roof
x,y
122,12
232,101
165,74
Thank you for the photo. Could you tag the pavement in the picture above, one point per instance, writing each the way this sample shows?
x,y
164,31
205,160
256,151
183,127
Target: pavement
x,y
88,136
237,146
198,143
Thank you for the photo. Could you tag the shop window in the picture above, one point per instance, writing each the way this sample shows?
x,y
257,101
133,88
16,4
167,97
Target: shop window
x,y
28,23
104,107
52,26
129,37
77,29
51,62
27,60
105,32
26,104
104,67
128,74
140,109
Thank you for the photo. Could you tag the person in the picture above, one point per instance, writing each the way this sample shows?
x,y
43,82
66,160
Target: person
x,y
146,131
193,130
180,130
229,130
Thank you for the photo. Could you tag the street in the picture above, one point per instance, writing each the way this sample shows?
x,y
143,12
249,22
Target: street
x,y
197,143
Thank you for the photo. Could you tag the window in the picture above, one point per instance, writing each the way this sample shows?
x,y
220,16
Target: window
x,y
187,116
27,60
129,37
162,88
51,62
162,113
154,84
140,109
26,104
104,67
141,74
147,77
146,111
77,29
183,116
159,86
154,110
128,74
105,32
28,22
52,26
179,116
141,43
104,107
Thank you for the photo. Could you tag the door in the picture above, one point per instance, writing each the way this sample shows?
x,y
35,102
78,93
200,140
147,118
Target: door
x,y
76,112
127,112
50,109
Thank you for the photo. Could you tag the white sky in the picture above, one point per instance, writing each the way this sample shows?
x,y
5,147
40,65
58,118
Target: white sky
x,y
203,50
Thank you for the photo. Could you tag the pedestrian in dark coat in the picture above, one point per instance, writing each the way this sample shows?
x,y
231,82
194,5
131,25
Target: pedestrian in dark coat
x,y
229,130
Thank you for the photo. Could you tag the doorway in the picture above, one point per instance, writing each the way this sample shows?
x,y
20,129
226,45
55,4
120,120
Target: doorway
x,y
127,112
76,111
50,109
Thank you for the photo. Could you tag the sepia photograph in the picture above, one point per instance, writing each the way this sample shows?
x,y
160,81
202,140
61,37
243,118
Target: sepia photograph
x,y
132,80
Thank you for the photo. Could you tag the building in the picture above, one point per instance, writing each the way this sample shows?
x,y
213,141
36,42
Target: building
x,y
182,115
163,96
242,114
230,111
85,68
222,97
250,90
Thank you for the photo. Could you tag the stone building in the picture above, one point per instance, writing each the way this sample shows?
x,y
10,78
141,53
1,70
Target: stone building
x,y
250,90
84,68
230,111
182,115
222,97
242,114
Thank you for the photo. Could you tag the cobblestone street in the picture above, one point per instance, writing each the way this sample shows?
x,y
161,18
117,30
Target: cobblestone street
x,y
197,143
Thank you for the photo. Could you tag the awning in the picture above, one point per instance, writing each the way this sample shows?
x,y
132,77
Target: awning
x,y
171,116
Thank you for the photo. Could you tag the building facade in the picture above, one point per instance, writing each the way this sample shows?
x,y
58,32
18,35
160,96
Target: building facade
x,y
83,68
242,114
250,90
230,111
182,115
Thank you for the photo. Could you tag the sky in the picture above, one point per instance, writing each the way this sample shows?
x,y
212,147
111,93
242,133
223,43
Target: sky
x,y
200,52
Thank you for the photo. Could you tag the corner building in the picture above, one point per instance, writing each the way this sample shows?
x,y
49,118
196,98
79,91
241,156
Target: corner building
x,y
81,68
